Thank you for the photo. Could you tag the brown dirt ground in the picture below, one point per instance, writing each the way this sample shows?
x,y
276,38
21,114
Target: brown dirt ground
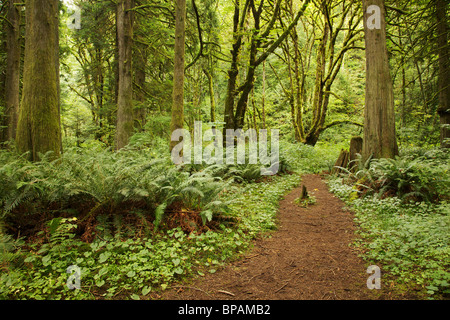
x,y
307,258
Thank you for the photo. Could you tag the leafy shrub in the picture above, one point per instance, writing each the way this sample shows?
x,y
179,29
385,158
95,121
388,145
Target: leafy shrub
x,y
199,191
413,177
410,239
89,183
114,267
420,178
305,158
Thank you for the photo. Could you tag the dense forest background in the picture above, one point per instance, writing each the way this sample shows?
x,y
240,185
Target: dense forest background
x,y
91,91
280,91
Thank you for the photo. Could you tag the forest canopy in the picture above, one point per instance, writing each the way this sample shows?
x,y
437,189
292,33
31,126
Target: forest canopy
x,y
291,65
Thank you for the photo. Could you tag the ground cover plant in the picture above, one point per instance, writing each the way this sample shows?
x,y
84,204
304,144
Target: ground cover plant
x,y
402,209
132,225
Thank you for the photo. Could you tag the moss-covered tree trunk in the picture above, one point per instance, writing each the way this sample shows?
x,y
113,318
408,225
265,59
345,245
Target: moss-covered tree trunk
x,y
208,72
141,59
125,114
444,71
178,73
12,75
38,129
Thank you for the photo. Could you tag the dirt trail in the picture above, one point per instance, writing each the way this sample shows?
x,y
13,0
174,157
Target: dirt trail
x,y
308,257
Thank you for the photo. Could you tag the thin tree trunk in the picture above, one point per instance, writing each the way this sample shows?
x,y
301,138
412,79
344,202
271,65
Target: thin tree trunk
x,y
12,80
125,121
255,124
233,72
211,94
178,73
39,128
140,74
403,109
263,102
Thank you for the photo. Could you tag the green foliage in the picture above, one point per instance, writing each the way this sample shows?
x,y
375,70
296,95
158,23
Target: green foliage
x,y
410,241
421,176
257,205
406,230
304,158
305,202
102,179
198,191
115,267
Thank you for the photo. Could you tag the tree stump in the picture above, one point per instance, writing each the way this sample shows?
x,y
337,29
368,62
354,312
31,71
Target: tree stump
x,y
341,162
304,194
356,144
346,158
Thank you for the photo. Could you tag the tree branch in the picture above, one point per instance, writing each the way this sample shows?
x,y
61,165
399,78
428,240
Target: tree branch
x,y
334,123
199,27
283,35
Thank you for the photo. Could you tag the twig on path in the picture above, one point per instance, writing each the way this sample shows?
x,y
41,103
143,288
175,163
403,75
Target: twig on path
x,y
226,292
287,281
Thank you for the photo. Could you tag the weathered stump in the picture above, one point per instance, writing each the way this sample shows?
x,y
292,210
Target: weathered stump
x,y
341,162
346,158
304,194
356,144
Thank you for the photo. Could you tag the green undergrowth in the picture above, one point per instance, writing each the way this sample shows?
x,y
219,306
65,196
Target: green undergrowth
x,y
116,265
402,210
131,222
127,268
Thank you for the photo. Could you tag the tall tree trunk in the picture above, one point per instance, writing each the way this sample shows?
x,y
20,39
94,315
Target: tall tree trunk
x,y
12,77
125,121
403,108
39,129
444,71
263,100
235,119
379,117
58,76
178,72
234,71
139,76
212,99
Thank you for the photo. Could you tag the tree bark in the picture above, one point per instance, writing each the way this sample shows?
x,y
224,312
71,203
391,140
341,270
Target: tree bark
x,y
39,129
341,162
125,117
12,76
212,100
233,72
444,71
178,73
263,98
356,144
235,119
141,58
379,118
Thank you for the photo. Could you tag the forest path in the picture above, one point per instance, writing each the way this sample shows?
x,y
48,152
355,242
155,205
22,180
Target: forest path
x,y
307,258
